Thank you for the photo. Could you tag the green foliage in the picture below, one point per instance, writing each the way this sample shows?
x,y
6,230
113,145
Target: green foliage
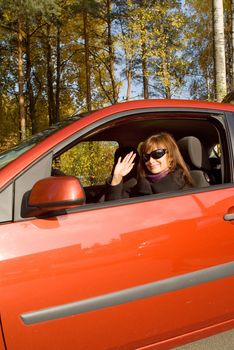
x,y
12,9
152,31
172,39
9,126
199,35
90,161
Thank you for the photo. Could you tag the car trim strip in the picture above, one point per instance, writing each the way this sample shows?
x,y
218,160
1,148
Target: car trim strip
x,y
130,294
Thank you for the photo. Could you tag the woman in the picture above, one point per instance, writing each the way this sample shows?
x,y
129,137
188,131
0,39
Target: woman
x,y
161,169
124,174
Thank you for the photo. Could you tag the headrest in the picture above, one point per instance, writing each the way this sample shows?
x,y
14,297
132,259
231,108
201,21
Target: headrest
x,y
192,152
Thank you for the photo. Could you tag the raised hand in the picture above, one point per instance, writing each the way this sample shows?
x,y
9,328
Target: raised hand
x,y
122,168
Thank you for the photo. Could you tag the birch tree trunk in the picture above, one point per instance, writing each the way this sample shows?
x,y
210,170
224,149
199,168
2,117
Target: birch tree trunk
x,y
144,61
22,119
50,91
87,61
144,71
232,44
111,53
129,79
219,48
30,92
166,78
127,39
58,74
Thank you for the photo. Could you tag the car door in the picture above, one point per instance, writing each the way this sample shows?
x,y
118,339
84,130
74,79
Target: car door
x,y
121,275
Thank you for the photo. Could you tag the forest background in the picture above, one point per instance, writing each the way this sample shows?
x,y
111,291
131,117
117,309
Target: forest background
x,y
58,58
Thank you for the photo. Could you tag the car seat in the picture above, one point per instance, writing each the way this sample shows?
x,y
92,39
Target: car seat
x,y
197,160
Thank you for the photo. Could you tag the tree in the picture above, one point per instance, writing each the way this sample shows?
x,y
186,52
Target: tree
x,y
107,55
22,117
127,41
219,48
168,45
16,15
232,40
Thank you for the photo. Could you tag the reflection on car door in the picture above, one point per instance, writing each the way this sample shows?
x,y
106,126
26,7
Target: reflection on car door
x,y
118,277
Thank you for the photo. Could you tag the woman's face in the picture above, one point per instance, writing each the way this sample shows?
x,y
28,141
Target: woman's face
x,y
156,166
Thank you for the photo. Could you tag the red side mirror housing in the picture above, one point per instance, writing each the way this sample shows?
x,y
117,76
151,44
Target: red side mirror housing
x,y
55,193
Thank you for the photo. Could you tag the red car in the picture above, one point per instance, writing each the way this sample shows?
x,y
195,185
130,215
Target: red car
x,y
151,272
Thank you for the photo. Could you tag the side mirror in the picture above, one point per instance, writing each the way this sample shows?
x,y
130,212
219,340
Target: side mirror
x,y
53,194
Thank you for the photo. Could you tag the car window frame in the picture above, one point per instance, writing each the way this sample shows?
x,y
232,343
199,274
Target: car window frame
x,y
94,127
229,120
6,203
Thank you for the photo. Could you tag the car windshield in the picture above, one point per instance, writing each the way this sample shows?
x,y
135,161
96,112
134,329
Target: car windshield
x,y
14,152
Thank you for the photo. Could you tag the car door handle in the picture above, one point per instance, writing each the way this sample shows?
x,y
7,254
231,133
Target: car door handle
x,y
228,217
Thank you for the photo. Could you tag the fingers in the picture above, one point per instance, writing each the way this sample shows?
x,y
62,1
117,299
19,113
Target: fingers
x,y
123,167
126,165
119,160
129,168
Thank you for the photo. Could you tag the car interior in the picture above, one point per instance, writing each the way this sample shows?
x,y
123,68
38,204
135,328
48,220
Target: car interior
x,y
198,135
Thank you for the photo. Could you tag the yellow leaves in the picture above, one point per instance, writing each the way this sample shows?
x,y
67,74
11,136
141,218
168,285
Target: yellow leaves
x,y
177,21
90,161
7,16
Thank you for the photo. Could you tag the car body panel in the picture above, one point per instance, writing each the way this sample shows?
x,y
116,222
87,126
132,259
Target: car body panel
x,y
2,345
96,257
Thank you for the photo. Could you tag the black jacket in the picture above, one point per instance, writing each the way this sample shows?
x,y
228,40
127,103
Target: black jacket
x,y
131,188
125,189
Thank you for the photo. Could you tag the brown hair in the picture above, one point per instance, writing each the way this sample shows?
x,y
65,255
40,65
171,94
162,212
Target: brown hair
x,y
175,158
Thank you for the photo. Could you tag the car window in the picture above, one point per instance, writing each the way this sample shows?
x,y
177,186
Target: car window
x,y
89,154
90,161
215,151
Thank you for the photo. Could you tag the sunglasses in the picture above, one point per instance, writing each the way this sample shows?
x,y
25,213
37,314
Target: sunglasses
x,y
157,154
